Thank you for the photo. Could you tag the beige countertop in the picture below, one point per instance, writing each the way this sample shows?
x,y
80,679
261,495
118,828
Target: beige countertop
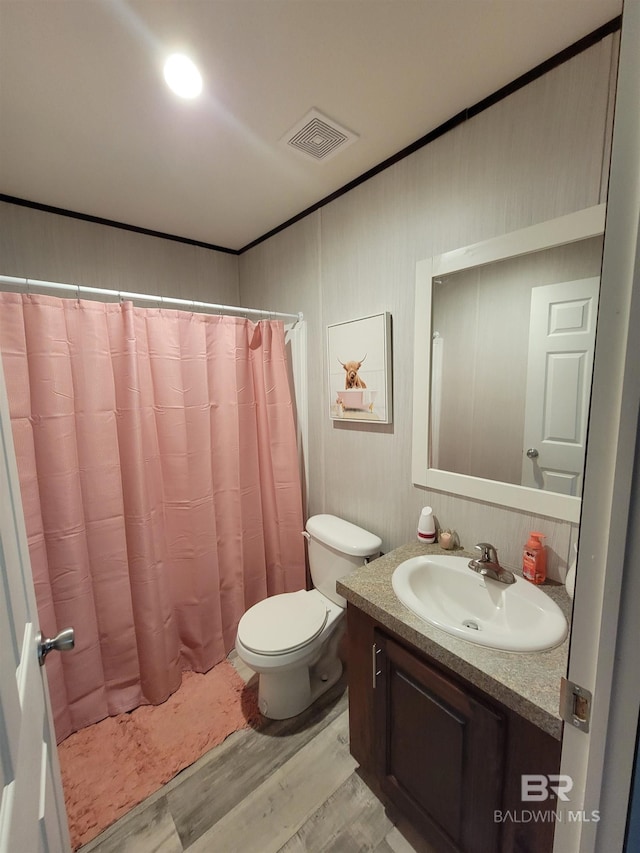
x,y
529,684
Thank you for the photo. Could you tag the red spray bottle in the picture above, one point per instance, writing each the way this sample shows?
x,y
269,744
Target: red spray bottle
x,y
534,559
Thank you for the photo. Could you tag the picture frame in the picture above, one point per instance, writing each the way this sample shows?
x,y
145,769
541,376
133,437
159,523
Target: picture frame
x,y
359,370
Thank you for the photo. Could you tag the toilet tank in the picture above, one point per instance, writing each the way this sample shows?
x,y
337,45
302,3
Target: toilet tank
x,y
336,548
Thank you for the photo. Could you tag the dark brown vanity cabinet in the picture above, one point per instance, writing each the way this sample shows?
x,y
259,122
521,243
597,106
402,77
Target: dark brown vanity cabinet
x,y
440,752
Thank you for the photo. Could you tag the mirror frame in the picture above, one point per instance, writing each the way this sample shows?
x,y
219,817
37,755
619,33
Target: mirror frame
x,y
545,235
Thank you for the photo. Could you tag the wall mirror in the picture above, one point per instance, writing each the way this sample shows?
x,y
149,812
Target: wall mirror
x,y
503,358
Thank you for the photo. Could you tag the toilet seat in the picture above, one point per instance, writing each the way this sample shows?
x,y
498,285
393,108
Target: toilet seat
x,y
282,623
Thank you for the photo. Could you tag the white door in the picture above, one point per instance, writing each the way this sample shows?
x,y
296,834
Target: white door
x,y
604,633
562,332
32,813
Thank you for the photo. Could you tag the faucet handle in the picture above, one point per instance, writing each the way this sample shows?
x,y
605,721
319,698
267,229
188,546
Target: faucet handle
x,y
489,554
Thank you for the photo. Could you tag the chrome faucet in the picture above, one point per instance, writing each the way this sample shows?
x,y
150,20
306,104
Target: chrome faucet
x,y
488,565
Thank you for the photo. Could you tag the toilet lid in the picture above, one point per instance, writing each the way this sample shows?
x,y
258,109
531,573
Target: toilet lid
x,y
282,623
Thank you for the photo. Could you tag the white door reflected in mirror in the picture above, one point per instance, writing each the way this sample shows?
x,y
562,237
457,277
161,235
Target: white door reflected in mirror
x,y
562,336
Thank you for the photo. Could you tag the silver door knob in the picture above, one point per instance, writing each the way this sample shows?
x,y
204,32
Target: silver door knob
x,y
62,642
532,453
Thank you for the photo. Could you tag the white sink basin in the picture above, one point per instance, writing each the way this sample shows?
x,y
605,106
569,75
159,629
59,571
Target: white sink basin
x,y
445,592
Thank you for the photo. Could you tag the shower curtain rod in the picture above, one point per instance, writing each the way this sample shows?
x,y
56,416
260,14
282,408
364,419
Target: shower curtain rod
x,y
79,289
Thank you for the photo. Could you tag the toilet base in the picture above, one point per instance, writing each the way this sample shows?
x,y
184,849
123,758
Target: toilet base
x,y
282,695
286,694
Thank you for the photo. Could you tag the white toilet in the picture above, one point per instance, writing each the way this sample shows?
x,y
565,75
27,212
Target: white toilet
x,y
292,639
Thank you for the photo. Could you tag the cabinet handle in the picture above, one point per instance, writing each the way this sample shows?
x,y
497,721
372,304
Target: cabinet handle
x,y
374,664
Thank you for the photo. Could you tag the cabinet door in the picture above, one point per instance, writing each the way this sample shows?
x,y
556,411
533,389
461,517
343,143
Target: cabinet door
x,y
439,752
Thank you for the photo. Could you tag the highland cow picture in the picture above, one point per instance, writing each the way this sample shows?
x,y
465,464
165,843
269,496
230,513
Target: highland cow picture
x,y
359,360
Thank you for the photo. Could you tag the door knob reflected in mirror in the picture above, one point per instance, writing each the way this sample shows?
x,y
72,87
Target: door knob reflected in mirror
x,y
62,642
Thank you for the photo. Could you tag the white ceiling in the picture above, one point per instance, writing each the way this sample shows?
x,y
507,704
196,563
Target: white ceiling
x,y
87,123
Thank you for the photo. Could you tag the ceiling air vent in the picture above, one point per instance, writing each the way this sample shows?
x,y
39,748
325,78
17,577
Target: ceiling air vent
x,y
318,137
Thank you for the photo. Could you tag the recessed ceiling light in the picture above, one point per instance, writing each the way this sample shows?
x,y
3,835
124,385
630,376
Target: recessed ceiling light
x,y
182,76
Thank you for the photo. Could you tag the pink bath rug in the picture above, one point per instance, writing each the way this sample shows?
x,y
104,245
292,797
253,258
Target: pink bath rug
x,y
110,767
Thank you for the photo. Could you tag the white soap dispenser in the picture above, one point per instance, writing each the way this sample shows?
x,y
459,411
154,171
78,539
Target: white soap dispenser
x,y
427,526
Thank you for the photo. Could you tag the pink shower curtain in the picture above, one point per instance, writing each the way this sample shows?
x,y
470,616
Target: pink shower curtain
x,y
160,484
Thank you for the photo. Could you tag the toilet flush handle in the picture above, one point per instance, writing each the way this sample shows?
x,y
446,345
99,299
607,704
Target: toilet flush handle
x,y
306,535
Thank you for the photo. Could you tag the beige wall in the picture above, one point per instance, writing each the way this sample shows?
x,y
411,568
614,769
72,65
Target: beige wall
x,y
538,154
51,247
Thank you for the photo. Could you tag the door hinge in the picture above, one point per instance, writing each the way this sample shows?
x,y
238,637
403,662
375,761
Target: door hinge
x,y
575,704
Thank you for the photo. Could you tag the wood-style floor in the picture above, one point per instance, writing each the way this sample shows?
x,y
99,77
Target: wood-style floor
x,y
291,787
